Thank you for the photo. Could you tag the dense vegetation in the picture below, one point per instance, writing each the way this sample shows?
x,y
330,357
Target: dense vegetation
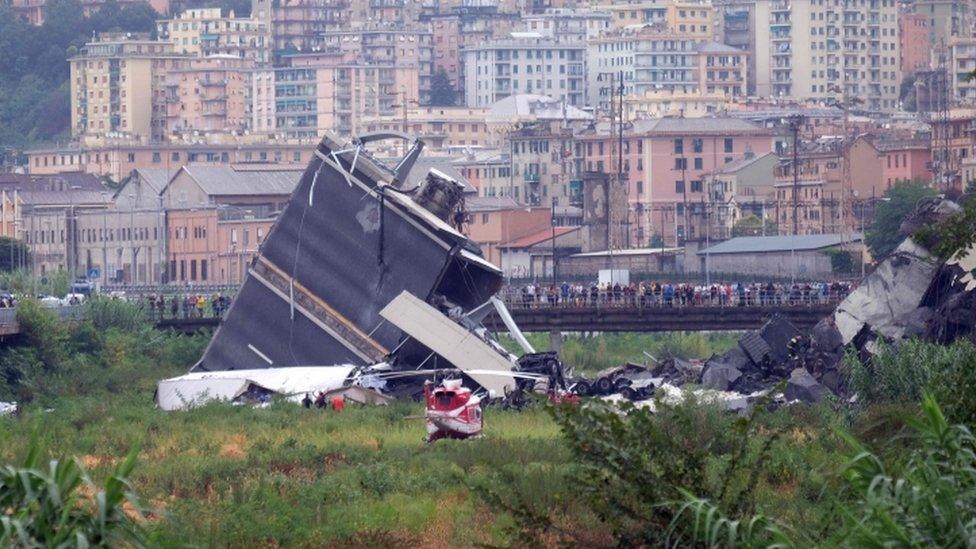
x,y
34,88
883,236
880,472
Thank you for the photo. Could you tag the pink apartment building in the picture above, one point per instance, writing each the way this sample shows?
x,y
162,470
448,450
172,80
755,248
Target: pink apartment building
x,y
665,162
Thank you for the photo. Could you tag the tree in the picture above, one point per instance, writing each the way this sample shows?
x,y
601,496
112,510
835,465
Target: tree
x,y
751,225
442,93
13,254
883,236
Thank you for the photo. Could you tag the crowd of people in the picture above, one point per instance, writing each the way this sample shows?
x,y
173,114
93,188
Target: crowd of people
x,y
187,305
668,294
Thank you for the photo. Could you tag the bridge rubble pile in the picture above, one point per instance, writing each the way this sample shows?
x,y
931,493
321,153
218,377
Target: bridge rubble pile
x,y
910,294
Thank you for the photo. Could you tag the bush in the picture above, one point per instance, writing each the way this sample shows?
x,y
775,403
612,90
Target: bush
x,y
62,507
903,374
105,313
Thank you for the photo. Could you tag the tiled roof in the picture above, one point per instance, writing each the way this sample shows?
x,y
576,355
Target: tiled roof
x,y
763,244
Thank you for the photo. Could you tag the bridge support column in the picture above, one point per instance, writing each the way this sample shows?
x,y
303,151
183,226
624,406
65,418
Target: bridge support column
x,y
555,340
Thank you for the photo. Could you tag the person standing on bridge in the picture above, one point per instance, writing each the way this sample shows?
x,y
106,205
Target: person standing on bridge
x,y
174,306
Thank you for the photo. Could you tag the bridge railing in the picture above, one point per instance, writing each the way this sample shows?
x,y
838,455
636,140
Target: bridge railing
x,y
605,300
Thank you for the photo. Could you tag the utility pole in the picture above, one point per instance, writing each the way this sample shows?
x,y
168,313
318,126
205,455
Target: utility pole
x,y
552,221
795,122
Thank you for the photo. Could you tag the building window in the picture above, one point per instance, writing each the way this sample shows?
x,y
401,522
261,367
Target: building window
x,y
679,186
679,146
728,144
698,163
156,157
696,186
680,163
203,270
697,144
193,269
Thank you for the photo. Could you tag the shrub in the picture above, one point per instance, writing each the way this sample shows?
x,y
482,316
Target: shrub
x,y
105,313
62,507
903,374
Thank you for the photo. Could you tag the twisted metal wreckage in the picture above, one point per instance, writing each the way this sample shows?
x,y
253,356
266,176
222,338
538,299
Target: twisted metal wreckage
x,y
359,280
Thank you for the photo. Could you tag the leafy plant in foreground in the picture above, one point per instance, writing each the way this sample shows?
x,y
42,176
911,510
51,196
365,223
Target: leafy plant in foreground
x,y
62,507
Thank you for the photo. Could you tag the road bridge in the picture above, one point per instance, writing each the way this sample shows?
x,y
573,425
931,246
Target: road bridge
x,y
545,317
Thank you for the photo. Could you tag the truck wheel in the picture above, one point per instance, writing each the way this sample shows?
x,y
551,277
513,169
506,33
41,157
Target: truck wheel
x,y
604,386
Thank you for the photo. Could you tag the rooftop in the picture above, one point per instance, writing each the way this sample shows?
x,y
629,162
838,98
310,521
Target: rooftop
x,y
538,237
769,244
239,180
539,107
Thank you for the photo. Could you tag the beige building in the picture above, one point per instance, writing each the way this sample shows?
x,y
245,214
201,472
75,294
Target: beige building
x,y
387,44
205,32
440,127
695,19
636,12
208,94
659,104
329,92
829,49
118,86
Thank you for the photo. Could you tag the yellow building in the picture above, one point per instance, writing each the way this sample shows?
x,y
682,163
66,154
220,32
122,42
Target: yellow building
x,y
660,104
691,18
639,12
204,32
440,127
117,86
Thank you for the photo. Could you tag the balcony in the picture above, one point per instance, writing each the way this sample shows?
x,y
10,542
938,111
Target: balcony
x,y
532,178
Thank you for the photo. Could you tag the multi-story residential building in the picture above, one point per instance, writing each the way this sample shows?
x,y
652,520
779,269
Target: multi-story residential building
x,y
296,25
636,12
650,61
462,27
259,100
829,49
568,24
686,105
946,19
905,159
389,45
736,19
208,94
913,42
203,31
665,163
953,145
118,86
544,161
34,11
722,69
332,92
439,127
692,18
962,55
540,66
487,170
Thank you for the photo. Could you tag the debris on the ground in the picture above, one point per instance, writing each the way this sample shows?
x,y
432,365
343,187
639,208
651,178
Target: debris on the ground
x,y
8,408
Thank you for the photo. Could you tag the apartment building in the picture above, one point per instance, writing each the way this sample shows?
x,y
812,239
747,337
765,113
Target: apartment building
x,y
544,161
462,27
913,42
321,92
259,100
692,18
829,49
389,44
962,56
541,66
208,94
666,163
440,127
296,25
636,12
946,19
118,86
568,24
687,105
654,62
204,32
